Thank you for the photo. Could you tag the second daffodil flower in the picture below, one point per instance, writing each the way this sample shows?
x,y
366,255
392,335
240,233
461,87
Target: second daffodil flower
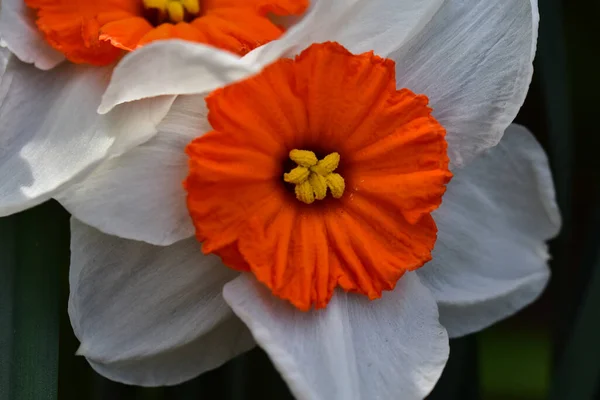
x,y
51,132
333,233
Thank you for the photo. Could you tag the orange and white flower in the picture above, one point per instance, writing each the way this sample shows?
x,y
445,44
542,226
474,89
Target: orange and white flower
x,y
51,133
333,233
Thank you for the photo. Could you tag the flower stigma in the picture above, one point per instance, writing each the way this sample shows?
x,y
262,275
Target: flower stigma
x,y
172,10
313,177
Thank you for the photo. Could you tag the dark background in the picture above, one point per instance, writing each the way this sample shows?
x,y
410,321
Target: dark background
x,y
551,350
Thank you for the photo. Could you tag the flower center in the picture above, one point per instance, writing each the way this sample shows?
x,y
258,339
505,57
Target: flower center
x,y
313,177
160,11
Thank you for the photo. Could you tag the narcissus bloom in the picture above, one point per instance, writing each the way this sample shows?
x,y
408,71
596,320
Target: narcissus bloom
x,y
333,234
96,32
369,164
51,132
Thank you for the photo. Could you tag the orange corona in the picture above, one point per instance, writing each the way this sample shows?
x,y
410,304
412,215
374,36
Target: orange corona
x,y
96,32
333,123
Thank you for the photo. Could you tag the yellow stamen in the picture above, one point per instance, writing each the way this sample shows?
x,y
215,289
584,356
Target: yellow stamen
x,y
158,4
304,158
297,175
313,177
319,185
336,185
175,9
305,193
192,6
327,165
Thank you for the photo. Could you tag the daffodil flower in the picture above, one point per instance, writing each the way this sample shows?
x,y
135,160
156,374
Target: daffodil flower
x,y
333,233
51,133
96,32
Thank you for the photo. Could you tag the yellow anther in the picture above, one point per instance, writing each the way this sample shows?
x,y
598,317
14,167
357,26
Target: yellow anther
x,y
319,186
313,177
192,6
297,175
176,11
305,193
327,165
158,4
336,185
304,158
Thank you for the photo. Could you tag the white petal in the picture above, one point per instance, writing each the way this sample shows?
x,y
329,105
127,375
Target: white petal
x,y
474,62
140,195
5,55
179,67
375,25
172,67
355,349
323,18
490,259
51,133
149,315
22,37
383,26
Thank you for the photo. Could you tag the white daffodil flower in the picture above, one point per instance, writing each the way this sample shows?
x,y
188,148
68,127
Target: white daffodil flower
x,y
317,182
154,315
63,56
162,312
